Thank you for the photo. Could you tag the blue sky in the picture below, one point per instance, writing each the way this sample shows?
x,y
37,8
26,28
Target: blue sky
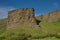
x,y
40,6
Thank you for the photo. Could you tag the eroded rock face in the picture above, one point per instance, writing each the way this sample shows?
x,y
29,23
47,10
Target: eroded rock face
x,y
50,17
21,17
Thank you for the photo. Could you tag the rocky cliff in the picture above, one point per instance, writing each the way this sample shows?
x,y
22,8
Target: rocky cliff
x,y
22,16
50,17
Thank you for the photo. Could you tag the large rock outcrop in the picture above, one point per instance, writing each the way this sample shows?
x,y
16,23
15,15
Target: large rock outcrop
x,y
20,17
50,17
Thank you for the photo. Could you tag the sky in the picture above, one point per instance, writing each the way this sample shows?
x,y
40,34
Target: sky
x,y
40,6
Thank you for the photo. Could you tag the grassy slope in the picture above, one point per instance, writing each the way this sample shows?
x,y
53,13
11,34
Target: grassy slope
x,y
48,31
3,23
51,27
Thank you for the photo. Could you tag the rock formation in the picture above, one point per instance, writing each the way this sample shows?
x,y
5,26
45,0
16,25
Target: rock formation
x,y
50,17
20,17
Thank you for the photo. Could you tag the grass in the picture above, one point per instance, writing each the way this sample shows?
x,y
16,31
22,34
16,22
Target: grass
x,y
48,31
51,27
48,38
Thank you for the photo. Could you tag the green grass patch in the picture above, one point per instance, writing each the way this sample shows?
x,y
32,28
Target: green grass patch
x,y
47,31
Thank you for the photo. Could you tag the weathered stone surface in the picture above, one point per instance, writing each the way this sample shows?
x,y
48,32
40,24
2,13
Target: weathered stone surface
x,y
50,17
20,17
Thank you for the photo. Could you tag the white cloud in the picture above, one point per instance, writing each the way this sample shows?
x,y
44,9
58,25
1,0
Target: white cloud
x,y
55,4
4,11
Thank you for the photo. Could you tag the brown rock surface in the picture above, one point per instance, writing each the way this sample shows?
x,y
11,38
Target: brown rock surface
x,y
20,17
50,17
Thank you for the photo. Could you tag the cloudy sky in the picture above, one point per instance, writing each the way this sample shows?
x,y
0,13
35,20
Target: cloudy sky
x,y
40,6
